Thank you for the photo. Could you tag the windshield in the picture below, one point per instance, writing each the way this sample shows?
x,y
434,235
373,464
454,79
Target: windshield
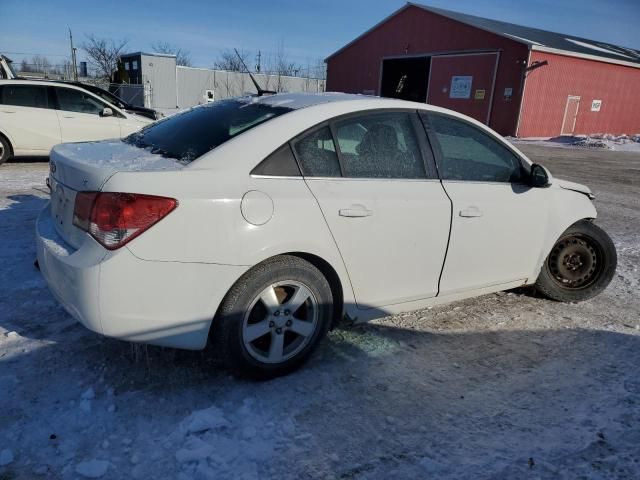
x,y
188,135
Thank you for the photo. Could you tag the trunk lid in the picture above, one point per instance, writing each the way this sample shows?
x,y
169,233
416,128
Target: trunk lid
x,y
76,167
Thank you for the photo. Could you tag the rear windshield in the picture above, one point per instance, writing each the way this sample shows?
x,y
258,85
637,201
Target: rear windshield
x,y
188,135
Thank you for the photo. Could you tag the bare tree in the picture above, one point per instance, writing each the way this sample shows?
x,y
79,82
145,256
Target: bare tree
x,y
281,67
104,54
228,60
183,57
40,64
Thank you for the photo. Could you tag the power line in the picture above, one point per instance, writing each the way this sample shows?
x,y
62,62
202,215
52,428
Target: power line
x,y
43,54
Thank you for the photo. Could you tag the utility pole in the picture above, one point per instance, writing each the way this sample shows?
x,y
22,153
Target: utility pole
x,y
258,62
73,57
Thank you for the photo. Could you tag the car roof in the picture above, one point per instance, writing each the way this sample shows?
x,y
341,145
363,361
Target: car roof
x,y
296,101
38,81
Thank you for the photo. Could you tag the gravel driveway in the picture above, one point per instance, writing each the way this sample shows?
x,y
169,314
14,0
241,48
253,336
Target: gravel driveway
x,y
504,386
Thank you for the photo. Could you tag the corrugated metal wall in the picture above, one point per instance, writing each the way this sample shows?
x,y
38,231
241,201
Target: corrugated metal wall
x,y
415,31
548,87
192,84
160,73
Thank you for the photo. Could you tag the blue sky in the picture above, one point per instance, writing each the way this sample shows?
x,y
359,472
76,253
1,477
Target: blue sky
x,y
308,31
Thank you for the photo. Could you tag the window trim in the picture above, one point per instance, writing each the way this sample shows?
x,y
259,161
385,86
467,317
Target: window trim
x,y
439,155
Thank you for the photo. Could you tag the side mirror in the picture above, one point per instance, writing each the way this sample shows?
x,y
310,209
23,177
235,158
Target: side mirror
x,y
106,112
540,176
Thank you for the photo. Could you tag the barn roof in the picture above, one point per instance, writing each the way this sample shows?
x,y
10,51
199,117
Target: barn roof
x,y
535,38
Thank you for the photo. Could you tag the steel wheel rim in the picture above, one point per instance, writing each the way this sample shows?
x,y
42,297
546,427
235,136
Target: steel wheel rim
x,y
280,322
575,262
1,150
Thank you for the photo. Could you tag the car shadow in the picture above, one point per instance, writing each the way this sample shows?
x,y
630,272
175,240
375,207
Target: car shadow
x,y
30,159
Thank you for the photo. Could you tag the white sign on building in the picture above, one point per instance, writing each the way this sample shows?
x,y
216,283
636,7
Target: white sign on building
x,y
596,105
461,87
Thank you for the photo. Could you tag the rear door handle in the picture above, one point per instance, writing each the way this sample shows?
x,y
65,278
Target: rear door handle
x,y
472,211
8,111
355,212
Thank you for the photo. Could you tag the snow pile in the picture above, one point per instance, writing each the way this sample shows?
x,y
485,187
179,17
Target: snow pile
x,y
6,457
92,468
604,141
210,443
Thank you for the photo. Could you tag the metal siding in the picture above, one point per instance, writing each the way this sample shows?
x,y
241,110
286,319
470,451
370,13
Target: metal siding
x,y
548,88
160,73
415,31
481,67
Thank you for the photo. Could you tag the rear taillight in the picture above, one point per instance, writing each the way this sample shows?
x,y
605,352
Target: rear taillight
x,y
114,219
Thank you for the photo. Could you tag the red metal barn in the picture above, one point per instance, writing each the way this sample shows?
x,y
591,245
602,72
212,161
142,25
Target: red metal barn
x,y
519,80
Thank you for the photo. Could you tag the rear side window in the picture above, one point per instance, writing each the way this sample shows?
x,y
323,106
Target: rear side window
x,y
317,154
380,146
24,96
280,163
71,100
189,135
468,153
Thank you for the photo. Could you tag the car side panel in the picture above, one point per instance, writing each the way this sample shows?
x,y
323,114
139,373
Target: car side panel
x,y
30,130
566,208
497,234
213,224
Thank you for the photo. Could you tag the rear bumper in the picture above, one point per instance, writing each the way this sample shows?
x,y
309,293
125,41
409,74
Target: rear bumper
x,y
118,295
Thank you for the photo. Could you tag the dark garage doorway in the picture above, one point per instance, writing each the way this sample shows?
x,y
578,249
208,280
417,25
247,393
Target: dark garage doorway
x,y
405,78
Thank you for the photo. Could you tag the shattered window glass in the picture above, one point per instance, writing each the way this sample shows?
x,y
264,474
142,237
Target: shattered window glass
x,y
317,154
380,146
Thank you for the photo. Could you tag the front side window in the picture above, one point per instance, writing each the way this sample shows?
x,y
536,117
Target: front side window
x,y
317,154
188,135
33,96
468,153
78,101
380,146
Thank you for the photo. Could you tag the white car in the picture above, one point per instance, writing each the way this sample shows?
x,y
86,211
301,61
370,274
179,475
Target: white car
x,y
36,115
255,223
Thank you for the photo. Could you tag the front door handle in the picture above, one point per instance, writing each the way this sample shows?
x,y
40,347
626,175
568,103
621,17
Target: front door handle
x,y
355,212
472,211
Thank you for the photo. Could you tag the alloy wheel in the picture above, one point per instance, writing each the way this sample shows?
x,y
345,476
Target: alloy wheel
x,y
280,322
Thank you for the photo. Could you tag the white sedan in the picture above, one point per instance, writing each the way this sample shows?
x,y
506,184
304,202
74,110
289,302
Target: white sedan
x,y
253,224
36,115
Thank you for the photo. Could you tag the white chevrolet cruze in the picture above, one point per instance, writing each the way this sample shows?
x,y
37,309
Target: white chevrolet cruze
x,y
255,223
36,115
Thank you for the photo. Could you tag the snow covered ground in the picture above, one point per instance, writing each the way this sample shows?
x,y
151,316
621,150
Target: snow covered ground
x,y
505,386
621,143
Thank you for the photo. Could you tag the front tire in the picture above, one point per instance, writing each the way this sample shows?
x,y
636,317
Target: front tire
x,y
580,265
273,318
5,150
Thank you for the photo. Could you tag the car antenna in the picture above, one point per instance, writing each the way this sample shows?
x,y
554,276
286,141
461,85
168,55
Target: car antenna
x,y
259,89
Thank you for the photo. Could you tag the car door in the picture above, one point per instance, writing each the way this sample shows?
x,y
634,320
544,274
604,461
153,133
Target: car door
x,y
498,219
389,215
80,115
26,114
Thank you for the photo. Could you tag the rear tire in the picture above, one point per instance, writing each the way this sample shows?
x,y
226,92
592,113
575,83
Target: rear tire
x,y
273,318
580,265
5,150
